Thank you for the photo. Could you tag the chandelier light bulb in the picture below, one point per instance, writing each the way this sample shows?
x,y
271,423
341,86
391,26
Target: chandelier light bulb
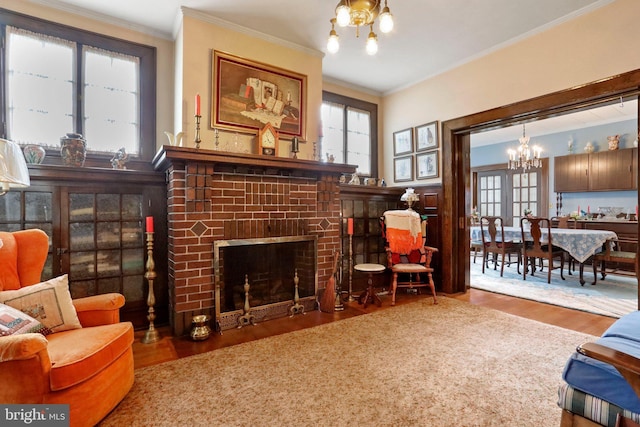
x,y
372,43
333,45
386,20
343,14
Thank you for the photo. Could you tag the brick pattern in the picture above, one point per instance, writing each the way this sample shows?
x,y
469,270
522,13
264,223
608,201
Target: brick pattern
x,y
234,206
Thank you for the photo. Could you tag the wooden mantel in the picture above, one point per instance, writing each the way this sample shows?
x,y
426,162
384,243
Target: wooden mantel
x,y
170,155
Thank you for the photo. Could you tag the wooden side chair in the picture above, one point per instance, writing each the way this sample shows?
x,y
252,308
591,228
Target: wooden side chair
x,y
413,265
492,232
618,256
538,248
475,245
566,222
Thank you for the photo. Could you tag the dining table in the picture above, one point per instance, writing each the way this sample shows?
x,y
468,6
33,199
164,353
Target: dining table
x,y
581,244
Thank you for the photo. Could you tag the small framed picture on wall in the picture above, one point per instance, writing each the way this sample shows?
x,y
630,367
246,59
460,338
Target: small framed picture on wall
x,y
427,165
427,136
403,142
403,169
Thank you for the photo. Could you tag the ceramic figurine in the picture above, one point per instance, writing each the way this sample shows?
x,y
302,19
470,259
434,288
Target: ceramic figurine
x,y
613,141
119,159
589,147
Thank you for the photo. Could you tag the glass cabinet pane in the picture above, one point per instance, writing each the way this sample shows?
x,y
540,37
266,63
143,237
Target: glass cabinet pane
x,y
131,206
81,236
81,207
108,263
108,207
108,235
133,261
83,266
37,207
132,234
10,207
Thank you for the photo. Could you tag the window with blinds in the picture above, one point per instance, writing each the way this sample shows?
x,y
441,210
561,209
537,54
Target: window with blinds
x,y
349,129
60,80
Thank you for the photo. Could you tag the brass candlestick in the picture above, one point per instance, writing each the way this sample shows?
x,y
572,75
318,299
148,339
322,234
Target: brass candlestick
x,y
152,335
197,138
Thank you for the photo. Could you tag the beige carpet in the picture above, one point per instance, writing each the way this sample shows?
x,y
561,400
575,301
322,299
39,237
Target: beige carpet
x,y
453,364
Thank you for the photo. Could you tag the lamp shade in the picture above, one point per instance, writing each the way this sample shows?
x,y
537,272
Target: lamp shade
x,y
13,167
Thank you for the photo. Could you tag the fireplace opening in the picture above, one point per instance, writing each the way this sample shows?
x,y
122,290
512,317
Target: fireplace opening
x,y
269,264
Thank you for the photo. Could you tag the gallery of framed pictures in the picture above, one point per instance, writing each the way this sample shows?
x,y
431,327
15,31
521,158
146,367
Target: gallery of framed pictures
x,y
247,95
425,141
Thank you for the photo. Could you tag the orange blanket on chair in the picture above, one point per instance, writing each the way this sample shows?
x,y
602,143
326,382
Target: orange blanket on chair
x,y
403,230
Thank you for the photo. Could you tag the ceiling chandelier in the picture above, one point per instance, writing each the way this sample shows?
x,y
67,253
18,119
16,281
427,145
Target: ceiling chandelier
x,y
525,157
357,13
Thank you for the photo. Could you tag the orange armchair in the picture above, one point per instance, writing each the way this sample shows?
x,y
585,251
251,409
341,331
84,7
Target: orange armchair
x,y
90,368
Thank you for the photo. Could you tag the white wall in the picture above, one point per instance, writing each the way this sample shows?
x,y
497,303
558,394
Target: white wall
x,y
588,48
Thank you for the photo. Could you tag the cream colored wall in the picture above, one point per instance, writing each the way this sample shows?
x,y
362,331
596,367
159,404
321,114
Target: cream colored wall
x,y
591,47
164,53
200,39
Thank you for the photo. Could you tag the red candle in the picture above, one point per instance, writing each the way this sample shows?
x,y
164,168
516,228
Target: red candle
x,y
197,104
149,224
350,226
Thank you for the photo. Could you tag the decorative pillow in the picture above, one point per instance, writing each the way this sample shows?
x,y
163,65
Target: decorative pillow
x,y
49,302
14,322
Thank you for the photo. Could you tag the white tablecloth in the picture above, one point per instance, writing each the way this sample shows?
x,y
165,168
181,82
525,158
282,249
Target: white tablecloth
x,y
580,244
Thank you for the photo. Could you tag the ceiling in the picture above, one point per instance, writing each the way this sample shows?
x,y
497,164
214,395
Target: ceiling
x,y
430,37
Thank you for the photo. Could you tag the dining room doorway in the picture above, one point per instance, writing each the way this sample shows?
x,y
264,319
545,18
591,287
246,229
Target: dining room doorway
x,y
456,138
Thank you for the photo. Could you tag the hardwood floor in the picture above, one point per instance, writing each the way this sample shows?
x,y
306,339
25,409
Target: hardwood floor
x,y
172,348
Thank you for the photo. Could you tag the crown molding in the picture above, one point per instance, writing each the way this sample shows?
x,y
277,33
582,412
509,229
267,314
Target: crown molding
x,y
205,17
101,17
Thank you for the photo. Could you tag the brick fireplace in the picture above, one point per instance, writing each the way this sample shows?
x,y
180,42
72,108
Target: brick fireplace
x,y
216,196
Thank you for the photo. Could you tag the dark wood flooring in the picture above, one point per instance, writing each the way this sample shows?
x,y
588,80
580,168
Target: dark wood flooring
x,y
172,348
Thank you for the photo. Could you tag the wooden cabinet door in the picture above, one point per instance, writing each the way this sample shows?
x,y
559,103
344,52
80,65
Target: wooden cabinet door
x,y
611,170
571,173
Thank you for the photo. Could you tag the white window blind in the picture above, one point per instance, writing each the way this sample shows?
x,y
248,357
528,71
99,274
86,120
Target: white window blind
x,y
356,149
40,81
111,99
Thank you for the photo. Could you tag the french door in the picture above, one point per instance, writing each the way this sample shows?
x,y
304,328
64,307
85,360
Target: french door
x,y
509,193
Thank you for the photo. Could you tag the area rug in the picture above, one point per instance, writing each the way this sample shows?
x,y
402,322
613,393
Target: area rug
x,y
417,364
615,296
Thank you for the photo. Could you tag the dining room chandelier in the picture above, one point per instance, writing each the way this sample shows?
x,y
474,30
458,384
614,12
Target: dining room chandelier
x,y
525,157
358,13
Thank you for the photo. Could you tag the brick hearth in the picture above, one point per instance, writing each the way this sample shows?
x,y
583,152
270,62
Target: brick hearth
x,y
224,196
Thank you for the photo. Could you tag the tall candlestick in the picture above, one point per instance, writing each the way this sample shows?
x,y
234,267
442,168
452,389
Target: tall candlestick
x,y
152,335
350,226
197,104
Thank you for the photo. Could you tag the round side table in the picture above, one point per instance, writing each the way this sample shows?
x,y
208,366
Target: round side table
x,y
369,296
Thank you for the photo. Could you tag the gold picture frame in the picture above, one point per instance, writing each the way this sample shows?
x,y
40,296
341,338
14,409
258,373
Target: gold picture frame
x,y
248,94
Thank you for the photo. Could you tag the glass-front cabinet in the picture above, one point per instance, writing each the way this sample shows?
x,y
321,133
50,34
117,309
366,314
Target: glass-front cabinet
x,y
96,233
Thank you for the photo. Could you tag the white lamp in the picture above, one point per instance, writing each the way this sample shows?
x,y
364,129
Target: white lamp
x,y
13,167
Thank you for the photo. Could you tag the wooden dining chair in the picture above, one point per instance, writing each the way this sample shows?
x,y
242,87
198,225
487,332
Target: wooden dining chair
x,y
475,245
537,247
492,232
609,255
566,222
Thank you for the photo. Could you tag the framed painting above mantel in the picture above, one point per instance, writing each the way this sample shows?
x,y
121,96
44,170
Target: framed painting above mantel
x,y
246,95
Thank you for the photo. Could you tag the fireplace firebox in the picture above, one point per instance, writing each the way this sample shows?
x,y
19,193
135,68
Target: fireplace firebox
x,y
270,265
